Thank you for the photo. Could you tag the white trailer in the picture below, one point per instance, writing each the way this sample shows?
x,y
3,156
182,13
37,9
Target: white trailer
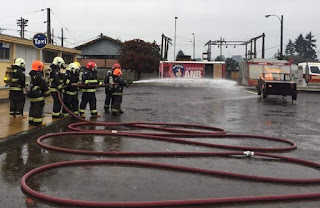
x,y
250,71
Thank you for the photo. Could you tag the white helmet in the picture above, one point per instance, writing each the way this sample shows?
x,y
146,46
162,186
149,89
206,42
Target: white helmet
x,y
58,61
19,62
73,67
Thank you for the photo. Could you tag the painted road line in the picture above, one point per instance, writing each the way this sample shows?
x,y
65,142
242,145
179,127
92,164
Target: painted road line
x,y
252,92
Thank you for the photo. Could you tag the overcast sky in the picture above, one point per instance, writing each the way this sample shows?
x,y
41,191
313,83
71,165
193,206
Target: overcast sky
x,y
148,19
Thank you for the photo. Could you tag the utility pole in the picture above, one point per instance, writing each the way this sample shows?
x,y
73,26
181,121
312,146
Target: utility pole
x,y
49,26
52,36
281,38
22,23
220,46
263,47
1,30
175,37
194,46
281,32
62,37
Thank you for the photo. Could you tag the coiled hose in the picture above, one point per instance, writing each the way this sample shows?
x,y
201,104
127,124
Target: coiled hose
x,y
171,135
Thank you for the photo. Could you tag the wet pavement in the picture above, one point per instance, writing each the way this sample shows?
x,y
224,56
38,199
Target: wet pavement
x,y
223,105
10,125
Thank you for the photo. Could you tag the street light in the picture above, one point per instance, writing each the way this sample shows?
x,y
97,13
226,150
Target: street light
x,y
194,46
281,32
175,34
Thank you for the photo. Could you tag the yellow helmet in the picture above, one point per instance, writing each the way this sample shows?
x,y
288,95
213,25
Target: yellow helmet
x,y
58,61
19,62
78,64
73,67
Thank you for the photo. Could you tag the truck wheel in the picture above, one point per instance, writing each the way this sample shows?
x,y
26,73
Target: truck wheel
x,y
264,95
294,97
259,90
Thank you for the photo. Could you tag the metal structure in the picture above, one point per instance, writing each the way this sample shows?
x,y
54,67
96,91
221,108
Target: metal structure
x,y
165,41
248,54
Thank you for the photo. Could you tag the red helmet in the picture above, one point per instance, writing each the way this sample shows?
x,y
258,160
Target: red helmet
x,y
37,66
116,66
91,65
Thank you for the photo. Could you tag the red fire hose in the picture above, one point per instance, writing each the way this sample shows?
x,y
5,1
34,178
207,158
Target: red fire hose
x,y
171,135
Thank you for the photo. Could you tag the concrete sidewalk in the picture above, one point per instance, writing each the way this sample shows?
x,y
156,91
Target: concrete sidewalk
x,y
4,95
14,127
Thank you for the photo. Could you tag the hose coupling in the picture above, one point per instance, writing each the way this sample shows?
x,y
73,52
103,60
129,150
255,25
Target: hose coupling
x,y
248,153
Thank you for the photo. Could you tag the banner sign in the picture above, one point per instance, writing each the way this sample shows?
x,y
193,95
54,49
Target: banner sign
x,y
183,70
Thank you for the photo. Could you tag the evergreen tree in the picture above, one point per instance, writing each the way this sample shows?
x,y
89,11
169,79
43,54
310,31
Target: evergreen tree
x,y
180,53
290,49
310,53
220,58
300,45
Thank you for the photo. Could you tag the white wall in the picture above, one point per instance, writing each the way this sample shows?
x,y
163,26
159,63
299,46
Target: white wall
x,y
28,53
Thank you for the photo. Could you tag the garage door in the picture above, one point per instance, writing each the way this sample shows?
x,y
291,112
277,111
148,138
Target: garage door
x,y
29,54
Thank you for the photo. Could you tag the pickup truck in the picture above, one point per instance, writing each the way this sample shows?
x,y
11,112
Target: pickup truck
x,y
271,83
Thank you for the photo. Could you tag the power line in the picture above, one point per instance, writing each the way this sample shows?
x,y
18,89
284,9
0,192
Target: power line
x,y
22,14
63,25
270,48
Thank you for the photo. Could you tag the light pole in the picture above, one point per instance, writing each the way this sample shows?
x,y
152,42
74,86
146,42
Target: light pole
x,y
175,38
281,32
194,46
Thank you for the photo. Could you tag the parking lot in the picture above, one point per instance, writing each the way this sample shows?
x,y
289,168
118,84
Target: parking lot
x,y
215,103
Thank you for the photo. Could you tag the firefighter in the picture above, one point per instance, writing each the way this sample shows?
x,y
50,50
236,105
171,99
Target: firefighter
x,y
89,77
56,78
108,91
38,90
70,93
16,82
117,93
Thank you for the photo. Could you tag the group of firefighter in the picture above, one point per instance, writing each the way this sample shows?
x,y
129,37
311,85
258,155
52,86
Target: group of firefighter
x,y
67,82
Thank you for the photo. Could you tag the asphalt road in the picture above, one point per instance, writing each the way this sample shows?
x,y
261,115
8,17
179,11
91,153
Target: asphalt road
x,y
221,104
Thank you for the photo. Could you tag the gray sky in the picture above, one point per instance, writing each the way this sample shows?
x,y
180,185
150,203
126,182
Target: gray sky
x,y
148,19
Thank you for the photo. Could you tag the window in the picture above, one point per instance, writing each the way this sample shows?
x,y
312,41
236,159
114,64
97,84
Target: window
x,y
48,56
100,56
314,69
68,58
4,51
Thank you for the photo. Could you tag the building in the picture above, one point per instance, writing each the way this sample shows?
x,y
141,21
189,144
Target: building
x,y
13,47
104,51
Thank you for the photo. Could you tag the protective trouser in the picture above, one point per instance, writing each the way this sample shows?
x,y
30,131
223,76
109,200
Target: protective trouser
x,y
56,111
36,113
88,97
108,99
17,100
71,102
116,103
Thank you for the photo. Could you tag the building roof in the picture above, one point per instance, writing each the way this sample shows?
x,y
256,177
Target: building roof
x,y
101,37
13,39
